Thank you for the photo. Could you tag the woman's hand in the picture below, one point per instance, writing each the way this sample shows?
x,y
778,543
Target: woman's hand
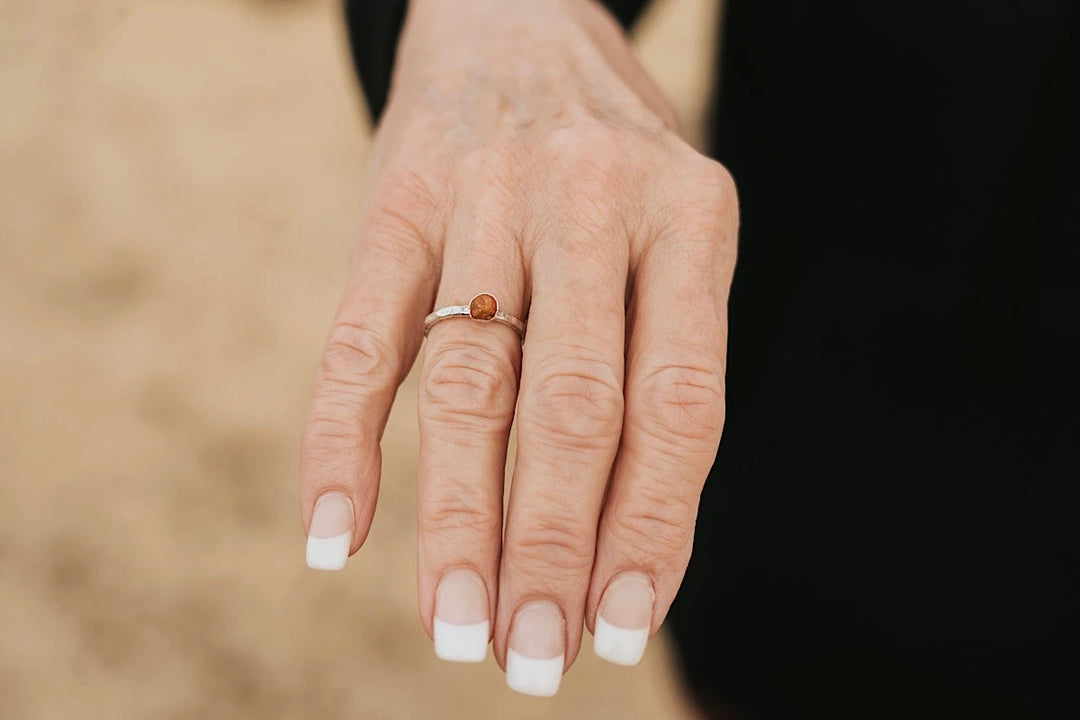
x,y
525,153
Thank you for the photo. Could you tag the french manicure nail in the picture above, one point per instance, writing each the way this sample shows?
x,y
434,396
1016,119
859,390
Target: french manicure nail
x,y
461,617
330,536
624,619
534,659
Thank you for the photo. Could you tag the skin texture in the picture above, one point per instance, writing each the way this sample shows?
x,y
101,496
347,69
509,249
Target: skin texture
x,y
525,153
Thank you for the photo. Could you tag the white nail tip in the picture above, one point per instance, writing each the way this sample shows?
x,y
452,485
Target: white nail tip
x,y
619,645
533,676
328,553
461,643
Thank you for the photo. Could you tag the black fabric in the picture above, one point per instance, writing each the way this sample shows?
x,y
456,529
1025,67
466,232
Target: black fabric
x,y
891,525
890,529
374,26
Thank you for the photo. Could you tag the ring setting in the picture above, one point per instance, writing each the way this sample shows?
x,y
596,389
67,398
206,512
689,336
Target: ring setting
x,y
484,307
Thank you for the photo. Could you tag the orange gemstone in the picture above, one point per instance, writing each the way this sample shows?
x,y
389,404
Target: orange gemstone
x,y
483,307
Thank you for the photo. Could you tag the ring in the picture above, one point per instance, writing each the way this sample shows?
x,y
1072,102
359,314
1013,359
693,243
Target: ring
x,y
483,308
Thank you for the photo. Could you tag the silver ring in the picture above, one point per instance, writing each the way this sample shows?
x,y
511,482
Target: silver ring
x,y
482,308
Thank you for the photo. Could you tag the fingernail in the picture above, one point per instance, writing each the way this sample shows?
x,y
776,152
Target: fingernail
x,y
461,617
534,659
624,619
330,536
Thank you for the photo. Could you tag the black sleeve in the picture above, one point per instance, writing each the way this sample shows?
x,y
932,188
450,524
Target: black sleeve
x,y
374,26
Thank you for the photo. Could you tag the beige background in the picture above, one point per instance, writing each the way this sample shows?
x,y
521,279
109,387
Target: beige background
x,y
179,183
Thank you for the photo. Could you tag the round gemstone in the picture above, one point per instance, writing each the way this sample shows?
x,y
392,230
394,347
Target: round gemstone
x,y
483,307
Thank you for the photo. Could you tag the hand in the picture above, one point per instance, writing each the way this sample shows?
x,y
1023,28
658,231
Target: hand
x,y
525,153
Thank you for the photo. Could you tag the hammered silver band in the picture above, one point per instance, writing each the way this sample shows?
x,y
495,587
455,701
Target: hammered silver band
x,y
482,308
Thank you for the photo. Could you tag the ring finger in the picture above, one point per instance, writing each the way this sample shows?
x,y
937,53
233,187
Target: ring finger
x,y
466,404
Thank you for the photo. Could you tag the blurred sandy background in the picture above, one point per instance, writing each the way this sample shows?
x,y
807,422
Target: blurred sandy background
x,y
179,183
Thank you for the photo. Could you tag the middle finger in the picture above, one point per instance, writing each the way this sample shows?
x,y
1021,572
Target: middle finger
x,y
569,418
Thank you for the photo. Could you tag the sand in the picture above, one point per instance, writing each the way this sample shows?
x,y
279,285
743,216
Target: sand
x,y
180,181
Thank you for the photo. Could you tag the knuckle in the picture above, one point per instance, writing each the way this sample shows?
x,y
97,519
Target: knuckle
x,y
591,156
659,527
402,215
500,169
331,425
579,407
681,402
458,507
402,191
333,437
586,138
602,173
716,178
716,194
358,358
357,364
468,384
552,546
699,205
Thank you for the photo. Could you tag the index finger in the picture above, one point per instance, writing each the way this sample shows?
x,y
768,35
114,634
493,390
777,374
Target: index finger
x,y
370,348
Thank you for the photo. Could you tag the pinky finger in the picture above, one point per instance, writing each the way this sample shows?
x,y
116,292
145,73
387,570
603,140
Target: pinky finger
x,y
671,431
